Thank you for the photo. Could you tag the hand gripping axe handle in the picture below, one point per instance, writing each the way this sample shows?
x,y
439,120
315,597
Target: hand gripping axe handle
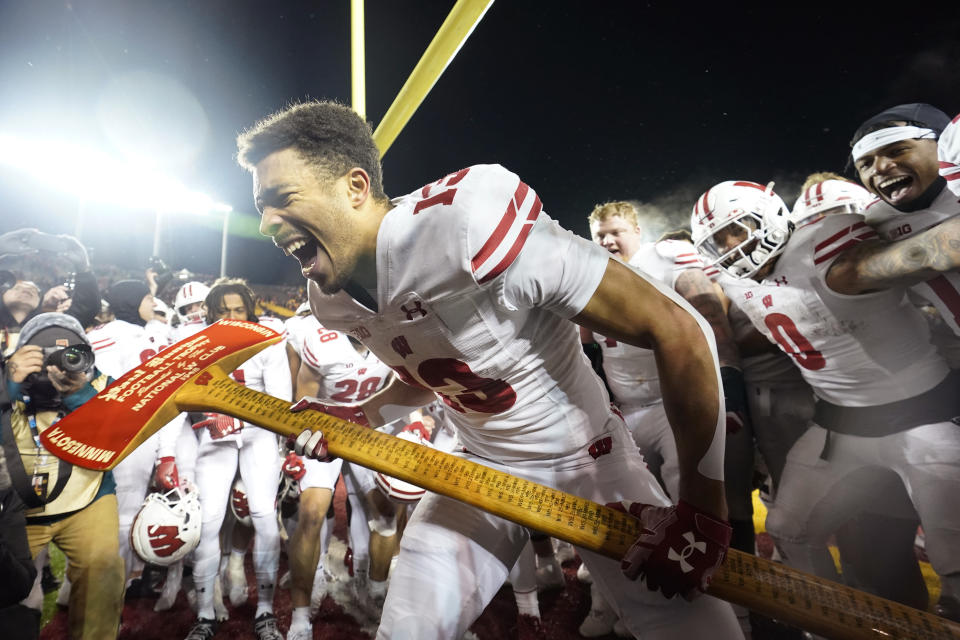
x,y
192,376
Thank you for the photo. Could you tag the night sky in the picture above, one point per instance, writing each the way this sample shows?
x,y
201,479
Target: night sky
x,y
587,101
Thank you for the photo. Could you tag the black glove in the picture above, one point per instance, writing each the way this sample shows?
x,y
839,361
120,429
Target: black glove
x,y
735,397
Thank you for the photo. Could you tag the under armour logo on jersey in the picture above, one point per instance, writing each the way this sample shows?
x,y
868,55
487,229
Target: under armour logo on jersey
x,y
360,332
687,551
401,346
417,308
164,539
601,447
781,281
767,301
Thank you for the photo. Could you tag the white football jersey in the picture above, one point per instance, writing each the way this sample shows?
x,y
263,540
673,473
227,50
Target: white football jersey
x,y
767,368
347,377
297,329
632,371
159,333
120,346
476,287
854,351
948,153
185,330
943,292
267,371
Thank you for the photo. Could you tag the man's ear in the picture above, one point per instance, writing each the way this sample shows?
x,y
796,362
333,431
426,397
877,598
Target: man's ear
x,y
358,186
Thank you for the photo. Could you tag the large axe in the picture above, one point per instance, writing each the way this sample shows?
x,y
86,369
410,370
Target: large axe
x,y
192,376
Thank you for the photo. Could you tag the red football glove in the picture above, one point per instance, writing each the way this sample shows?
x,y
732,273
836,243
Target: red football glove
x,y
293,466
166,476
418,428
352,414
219,425
678,550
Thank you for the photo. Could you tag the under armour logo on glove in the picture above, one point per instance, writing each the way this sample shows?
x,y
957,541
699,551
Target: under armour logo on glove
x,y
692,545
678,549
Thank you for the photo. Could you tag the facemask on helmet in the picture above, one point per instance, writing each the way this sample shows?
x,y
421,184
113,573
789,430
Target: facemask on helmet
x,y
739,226
190,293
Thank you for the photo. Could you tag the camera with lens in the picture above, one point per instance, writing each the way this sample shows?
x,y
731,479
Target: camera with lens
x,y
78,357
164,272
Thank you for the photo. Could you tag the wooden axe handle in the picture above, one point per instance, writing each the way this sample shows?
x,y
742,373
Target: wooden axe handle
x,y
821,606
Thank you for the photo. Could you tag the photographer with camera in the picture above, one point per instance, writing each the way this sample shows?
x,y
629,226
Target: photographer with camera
x,y
21,299
52,373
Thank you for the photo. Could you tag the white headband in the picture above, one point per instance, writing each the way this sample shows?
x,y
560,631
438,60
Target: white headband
x,y
882,137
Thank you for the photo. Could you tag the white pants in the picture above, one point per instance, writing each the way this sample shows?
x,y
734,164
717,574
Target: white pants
x,y
454,557
652,434
817,496
259,461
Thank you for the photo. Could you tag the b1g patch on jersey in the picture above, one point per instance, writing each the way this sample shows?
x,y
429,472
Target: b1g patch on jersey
x,y
360,332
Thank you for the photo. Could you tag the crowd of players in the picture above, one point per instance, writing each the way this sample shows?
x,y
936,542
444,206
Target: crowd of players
x,y
835,354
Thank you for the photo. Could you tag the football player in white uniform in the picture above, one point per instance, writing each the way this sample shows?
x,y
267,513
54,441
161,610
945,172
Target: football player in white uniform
x,y
895,155
120,345
466,288
833,300
335,370
631,373
228,445
948,154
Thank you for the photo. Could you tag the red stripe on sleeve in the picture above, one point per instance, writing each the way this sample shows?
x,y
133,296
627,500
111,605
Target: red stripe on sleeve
x,y
309,357
846,245
517,245
509,216
838,235
948,294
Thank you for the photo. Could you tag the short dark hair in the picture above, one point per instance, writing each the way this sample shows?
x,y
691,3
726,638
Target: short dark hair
x,y
327,134
224,287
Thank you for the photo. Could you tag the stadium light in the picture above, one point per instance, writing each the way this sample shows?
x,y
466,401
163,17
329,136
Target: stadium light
x,y
93,176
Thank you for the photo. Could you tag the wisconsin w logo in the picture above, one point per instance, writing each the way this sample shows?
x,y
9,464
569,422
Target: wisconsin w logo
x,y
164,539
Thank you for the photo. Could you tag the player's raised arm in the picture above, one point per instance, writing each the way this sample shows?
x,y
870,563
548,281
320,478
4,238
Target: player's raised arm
x,y
875,265
628,307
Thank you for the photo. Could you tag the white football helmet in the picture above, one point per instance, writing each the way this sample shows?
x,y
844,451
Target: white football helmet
x,y
167,527
190,293
238,502
745,212
829,196
399,490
